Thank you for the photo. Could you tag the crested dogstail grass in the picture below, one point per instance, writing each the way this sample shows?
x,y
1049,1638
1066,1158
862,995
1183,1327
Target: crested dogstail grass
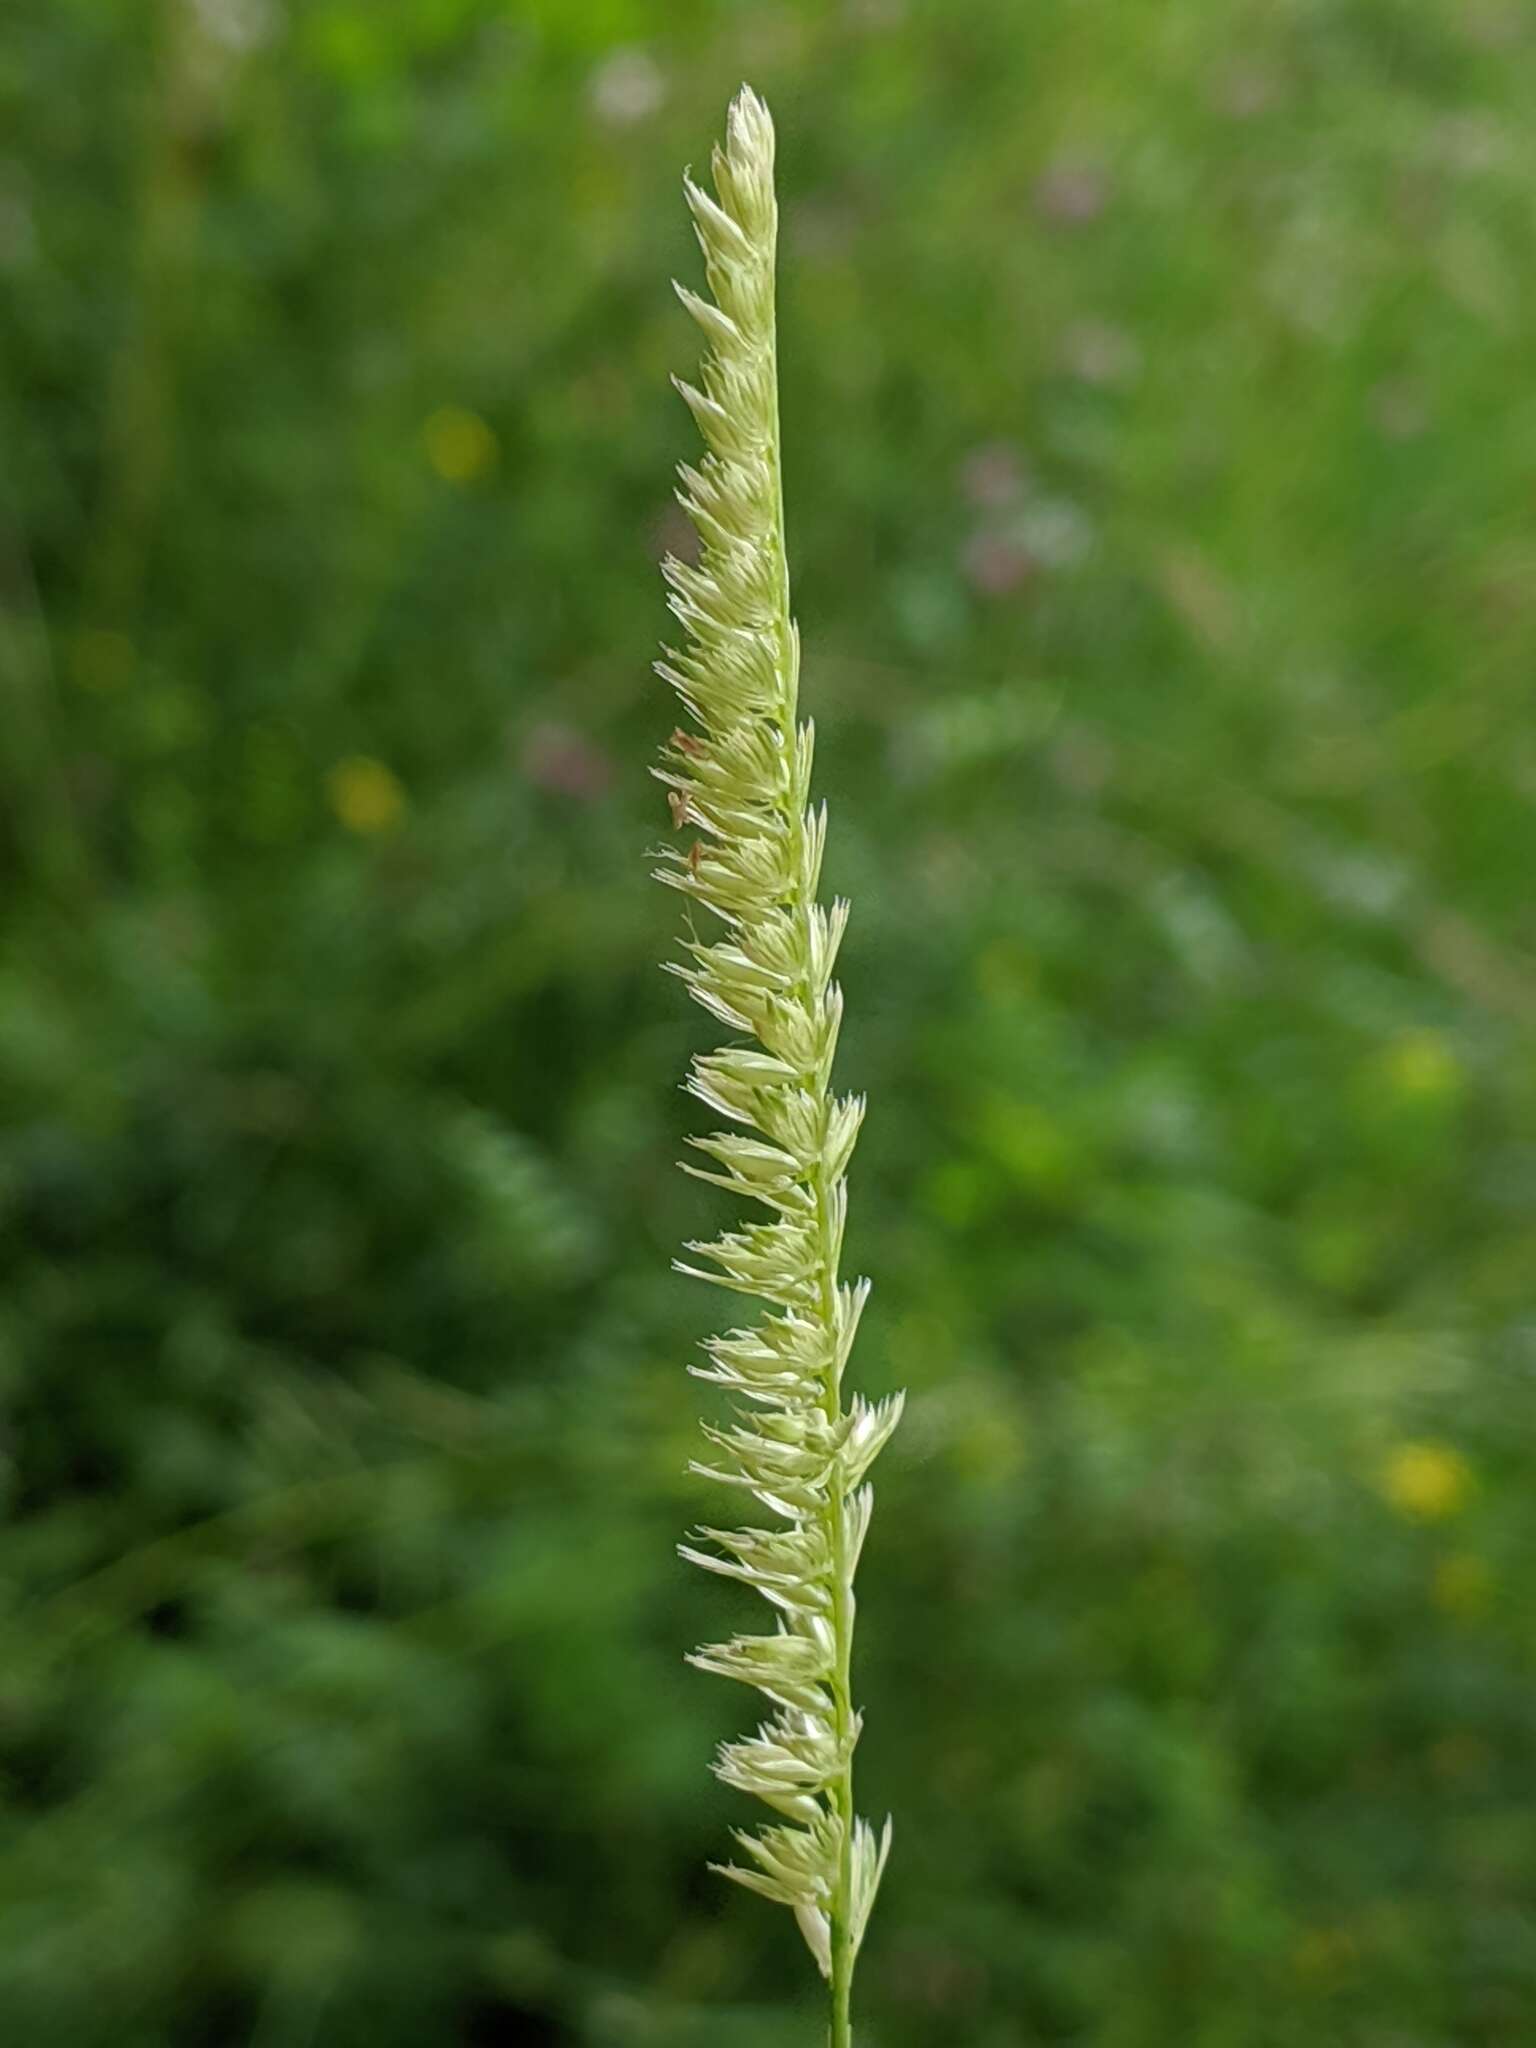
x,y
738,778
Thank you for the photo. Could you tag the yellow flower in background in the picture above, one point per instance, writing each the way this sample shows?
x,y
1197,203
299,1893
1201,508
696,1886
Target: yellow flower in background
x,y
1421,1065
1462,1585
366,795
1427,1482
460,445
1460,1754
1323,1955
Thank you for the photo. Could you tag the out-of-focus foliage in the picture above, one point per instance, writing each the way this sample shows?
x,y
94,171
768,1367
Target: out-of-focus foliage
x,y
1160,432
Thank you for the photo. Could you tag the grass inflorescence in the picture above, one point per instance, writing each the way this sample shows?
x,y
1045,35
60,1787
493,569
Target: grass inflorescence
x,y
738,779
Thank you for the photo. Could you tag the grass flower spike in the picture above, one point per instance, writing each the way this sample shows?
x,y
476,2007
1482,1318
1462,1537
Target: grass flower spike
x,y
738,779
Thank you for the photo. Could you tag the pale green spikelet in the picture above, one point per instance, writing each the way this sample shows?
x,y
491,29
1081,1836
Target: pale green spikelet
x,y
738,779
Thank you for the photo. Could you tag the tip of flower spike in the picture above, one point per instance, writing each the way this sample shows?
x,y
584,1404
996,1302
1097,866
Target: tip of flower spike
x,y
749,126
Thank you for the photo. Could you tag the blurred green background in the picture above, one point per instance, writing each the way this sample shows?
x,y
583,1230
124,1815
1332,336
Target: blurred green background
x,y
1161,434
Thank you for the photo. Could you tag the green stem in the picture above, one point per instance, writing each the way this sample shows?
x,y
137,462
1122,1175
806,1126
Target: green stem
x,y
840,2031
840,2028
839,2034
840,2024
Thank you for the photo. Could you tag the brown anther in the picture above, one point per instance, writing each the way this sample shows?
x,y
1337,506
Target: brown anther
x,y
693,856
690,744
677,803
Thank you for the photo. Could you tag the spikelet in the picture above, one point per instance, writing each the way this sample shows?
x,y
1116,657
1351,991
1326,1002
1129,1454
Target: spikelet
x,y
738,782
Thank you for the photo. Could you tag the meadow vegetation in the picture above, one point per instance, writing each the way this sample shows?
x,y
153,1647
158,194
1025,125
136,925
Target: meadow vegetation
x,y
1159,440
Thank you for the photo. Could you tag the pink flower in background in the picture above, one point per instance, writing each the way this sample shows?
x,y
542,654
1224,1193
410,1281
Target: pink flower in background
x,y
564,761
671,533
1098,354
1245,90
1072,191
997,564
993,475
